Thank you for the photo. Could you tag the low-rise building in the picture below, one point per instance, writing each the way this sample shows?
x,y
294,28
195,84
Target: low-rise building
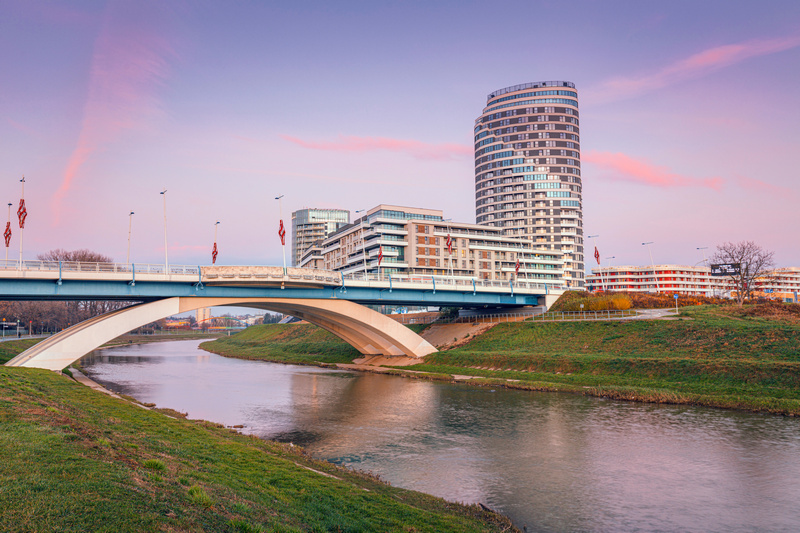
x,y
403,240
783,283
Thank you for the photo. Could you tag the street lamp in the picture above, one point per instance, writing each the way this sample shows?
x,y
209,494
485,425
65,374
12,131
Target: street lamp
x,y
282,232
610,260
9,232
655,277
166,250
130,223
597,258
363,242
708,278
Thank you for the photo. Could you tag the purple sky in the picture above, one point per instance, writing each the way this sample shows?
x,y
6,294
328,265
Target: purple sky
x,y
690,117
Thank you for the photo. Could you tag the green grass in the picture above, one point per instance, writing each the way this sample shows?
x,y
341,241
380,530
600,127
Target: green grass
x,y
77,460
286,343
710,355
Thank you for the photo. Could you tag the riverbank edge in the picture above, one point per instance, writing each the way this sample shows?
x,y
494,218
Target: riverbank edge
x,y
642,394
482,517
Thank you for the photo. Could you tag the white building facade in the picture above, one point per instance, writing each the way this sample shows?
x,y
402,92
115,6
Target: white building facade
x,y
413,241
782,283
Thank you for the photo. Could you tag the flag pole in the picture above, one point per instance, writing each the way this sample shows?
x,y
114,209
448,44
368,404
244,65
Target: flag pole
x,y
130,223
8,228
282,232
21,220
166,250
214,251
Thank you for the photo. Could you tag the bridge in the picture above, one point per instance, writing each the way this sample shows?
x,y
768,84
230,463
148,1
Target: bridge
x,y
331,300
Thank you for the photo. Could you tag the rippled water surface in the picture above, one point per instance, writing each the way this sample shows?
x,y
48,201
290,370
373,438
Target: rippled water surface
x,y
552,462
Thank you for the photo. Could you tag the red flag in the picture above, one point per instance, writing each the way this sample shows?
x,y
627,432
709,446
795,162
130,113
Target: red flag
x,y
214,253
449,244
7,233
22,213
380,255
597,256
282,234
516,269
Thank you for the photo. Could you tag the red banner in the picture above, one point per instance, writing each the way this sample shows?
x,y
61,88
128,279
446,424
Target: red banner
x,y
380,255
516,269
282,234
214,253
7,233
596,255
22,213
449,244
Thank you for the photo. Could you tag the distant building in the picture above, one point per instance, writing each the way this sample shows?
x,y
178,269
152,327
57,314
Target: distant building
x,y
312,225
202,315
413,241
528,168
783,283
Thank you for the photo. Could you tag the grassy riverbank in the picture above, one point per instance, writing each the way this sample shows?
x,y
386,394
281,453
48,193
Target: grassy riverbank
x,y
78,460
717,356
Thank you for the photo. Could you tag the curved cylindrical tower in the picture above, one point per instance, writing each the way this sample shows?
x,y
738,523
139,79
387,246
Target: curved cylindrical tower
x,y
527,168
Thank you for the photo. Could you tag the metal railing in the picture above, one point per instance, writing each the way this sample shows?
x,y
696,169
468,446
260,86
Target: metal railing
x,y
87,266
434,282
516,317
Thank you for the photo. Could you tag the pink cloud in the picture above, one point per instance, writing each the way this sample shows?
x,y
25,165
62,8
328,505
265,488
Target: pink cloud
x,y
416,149
129,63
754,184
691,67
621,167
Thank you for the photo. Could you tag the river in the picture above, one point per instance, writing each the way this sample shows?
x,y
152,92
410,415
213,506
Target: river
x,y
551,462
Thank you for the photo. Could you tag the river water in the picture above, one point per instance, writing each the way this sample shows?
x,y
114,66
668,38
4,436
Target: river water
x,y
551,462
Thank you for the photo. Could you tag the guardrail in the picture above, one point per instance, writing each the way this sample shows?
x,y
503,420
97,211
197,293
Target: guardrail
x,y
87,266
336,278
516,317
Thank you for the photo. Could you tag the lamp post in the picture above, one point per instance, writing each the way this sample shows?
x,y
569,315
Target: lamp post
x,y
166,249
655,277
449,253
610,260
363,241
130,224
708,278
597,258
282,232
9,231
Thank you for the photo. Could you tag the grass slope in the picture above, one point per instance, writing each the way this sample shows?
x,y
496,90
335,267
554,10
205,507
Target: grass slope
x,y
286,343
719,356
77,460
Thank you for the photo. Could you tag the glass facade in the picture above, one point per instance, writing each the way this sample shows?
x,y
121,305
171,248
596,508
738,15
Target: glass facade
x,y
312,225
527,145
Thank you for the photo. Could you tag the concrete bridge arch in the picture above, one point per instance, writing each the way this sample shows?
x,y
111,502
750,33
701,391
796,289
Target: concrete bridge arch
x,y
370,332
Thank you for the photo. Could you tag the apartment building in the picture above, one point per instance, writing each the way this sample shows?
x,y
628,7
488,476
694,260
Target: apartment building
x,y
527,168
403,240
312,225
783,283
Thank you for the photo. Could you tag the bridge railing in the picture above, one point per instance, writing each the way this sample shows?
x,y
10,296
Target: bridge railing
x,y
88,266
453,281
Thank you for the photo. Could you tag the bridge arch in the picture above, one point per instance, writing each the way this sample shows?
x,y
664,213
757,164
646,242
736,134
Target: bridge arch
x,y
370,332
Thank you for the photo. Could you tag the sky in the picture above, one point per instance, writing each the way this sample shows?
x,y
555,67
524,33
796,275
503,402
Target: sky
x,y
690,118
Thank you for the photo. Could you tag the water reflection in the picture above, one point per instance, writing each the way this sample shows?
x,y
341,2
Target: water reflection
x,y
553,462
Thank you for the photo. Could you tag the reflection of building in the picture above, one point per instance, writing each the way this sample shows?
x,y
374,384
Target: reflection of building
x,y
527,168
783,283
203,315
312,225
414,241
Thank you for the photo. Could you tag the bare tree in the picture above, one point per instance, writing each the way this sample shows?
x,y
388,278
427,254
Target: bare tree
x,y
754,262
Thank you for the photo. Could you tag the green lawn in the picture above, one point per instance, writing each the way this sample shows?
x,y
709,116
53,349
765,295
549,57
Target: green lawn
x,y
76,460
710,355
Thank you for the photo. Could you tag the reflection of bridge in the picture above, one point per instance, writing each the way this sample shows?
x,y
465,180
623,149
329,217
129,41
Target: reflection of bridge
x,y
328,299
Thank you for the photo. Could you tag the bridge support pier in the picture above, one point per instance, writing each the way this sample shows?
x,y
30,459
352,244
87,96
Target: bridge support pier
x,y
370,332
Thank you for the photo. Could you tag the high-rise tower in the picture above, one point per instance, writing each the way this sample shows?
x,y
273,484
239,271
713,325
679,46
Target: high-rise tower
x,y
527,168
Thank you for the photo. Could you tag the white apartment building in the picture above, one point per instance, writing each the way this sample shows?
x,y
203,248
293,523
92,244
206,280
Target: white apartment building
x,y
783,283
414,241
